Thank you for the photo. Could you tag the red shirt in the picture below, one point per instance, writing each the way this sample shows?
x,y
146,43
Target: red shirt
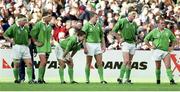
x,y
58,30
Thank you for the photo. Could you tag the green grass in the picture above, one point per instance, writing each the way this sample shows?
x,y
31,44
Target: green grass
x,y
88,87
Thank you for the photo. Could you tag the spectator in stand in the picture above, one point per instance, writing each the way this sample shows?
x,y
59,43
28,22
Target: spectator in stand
x,y
177,34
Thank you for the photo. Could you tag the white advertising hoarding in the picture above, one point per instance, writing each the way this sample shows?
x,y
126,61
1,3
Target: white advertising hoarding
x,y
143,67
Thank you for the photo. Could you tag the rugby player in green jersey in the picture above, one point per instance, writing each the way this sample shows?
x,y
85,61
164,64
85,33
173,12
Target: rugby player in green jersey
x,y
161,38
65,51
19,35
128,31
41,34
94,45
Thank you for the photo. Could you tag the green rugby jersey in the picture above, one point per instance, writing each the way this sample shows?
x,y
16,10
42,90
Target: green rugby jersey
x,y
127,29
161,39
94,33
42,33
19,34
70,44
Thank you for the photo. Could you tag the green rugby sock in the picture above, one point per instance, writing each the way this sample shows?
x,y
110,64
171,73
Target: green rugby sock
x,y
40,73
122,71
128,73
16,73
169,73
158,74
61,74
87,72
100,72
29,73
44,70
70,72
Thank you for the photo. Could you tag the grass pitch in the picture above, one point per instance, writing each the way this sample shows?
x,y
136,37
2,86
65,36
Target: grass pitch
x,y
89,87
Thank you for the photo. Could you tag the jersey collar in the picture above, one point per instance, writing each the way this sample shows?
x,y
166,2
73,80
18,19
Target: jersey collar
x,y
128,20
19,26
162,30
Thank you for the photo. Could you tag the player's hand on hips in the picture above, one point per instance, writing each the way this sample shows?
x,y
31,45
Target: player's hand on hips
x,y
52,43
152,47
38,43
120,41
85,50
103,48
12,42
69,59
63,59
170,49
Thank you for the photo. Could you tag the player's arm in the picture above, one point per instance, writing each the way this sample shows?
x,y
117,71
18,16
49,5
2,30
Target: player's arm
x,y
73,53
118,26
147,39
117,36
8,35
103,45
136,32
65,53
172,46
68,47
52,38
29,36
85,29
34,34
173,41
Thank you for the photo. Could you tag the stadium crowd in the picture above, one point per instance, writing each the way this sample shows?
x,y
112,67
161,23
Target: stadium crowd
x,y
68,16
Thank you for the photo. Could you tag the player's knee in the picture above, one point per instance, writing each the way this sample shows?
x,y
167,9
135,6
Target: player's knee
x,y
62,66
99,64
158,67
88,64
16,65
29,64
71,65
129,63
168,66
125,62
130,59
61,63
43,63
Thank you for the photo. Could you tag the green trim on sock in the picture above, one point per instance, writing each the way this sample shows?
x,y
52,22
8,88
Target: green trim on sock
x,y
87,72
70,72
16,73
61,74
122,71
100,72
169,73
29,73
158,74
